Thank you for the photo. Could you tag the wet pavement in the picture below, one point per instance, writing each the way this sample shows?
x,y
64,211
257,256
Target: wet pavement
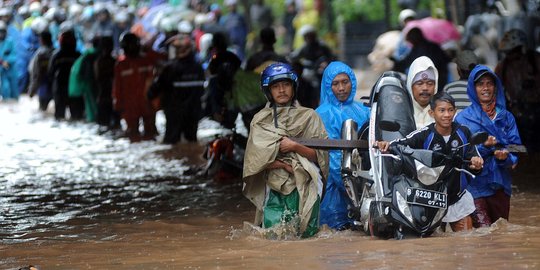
x,y
55,174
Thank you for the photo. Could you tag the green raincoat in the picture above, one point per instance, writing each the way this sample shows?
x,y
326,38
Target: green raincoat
x,y
81,83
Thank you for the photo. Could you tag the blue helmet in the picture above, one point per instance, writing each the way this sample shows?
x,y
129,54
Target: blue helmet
x,y
277,72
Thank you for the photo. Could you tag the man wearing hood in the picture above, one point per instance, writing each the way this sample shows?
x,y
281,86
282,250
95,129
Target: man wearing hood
x,y
422,84
338,89
283,178
492,188
8,57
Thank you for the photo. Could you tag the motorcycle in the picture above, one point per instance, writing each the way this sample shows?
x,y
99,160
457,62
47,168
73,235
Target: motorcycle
x,y
225,158
404,192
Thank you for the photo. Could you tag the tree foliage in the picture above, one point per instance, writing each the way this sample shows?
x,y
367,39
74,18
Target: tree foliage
x,y
358,10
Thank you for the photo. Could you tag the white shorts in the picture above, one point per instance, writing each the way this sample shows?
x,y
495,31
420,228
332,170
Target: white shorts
x,y
460,209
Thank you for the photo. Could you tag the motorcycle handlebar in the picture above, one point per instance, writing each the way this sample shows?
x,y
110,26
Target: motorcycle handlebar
x,y
381,154
465,171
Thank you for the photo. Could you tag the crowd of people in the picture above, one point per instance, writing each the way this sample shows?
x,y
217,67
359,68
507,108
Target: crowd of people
x,y
285,179
111,62
116,66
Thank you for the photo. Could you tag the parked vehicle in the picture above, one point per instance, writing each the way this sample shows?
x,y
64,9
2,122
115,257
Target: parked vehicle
x,y
225,158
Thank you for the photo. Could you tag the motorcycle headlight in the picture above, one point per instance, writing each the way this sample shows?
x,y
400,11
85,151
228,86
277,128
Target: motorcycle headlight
x,y
403,206
426,175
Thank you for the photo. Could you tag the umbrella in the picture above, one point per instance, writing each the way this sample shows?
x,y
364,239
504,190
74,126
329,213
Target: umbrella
x,y
156,12
436,30
147,26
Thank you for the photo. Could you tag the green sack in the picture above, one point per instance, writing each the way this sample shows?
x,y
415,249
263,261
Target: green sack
x,y
246,91
283,209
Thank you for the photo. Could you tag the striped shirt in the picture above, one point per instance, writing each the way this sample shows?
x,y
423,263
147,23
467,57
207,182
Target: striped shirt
x,y
458,90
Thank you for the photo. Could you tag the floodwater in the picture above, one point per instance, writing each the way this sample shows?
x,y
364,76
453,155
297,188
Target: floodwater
x,y
71,199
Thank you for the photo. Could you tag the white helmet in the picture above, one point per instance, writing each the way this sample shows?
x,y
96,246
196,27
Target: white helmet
x,y
406,14
201,19
34,7
39,25
205,42
5,11
49,14
166,24
121,17
185,27
23,10
306,29
75,10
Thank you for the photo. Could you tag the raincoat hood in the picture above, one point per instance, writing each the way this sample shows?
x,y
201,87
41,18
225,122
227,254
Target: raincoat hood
x,y
503,126
334,207
475,118
420,64
471,89
331,71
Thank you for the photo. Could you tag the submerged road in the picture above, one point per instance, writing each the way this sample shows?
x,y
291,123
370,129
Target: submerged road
x,y
72,199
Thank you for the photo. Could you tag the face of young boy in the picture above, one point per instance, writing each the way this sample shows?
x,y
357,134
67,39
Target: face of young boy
x,y
282,92
443,113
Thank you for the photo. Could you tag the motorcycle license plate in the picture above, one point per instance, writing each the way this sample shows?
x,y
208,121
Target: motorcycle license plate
x,y
427,197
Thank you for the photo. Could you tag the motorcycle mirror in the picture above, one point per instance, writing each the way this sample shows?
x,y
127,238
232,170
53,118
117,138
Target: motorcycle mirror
x,y
389,125
479,137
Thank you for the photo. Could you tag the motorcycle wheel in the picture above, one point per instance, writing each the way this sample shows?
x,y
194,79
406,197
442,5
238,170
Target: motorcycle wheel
x,y
398,234
376,229
371,225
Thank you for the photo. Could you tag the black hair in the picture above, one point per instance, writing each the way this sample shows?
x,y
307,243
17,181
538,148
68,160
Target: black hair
x,y
95,41
128,38
415,36
220,41
441,97
267,36
46,38
106,44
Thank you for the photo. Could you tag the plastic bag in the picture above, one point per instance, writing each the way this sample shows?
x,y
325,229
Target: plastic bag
x,y
282,210
246,92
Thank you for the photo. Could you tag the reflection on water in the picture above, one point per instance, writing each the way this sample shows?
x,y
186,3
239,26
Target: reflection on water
x,y
57,176
70,199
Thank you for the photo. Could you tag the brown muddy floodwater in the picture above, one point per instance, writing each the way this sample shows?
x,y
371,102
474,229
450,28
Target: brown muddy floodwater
x,y
70,199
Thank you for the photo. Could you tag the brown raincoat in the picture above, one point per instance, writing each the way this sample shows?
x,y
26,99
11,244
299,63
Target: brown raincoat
x,y
263,148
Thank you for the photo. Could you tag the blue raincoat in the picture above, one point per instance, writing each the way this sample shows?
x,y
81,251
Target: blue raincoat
x,y
496,173
333,113
8,76
26,47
